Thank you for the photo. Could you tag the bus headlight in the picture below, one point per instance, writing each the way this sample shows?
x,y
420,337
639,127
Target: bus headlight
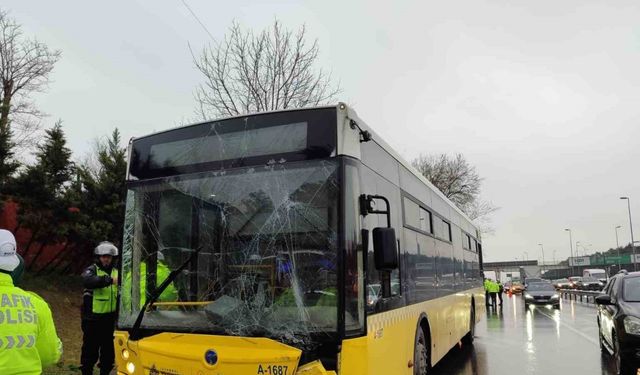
x,y
125,354
131,368
632,325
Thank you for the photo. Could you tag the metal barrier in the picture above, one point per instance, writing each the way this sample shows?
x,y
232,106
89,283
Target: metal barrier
x,y
580,295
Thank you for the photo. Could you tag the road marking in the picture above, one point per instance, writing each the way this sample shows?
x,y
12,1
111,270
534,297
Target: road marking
x,y
570,328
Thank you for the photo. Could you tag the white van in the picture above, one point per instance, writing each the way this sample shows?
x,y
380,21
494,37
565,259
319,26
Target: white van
x,y
596,273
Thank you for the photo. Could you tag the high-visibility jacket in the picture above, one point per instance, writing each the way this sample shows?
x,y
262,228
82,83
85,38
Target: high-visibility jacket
x,y
486,284
100,295
170,294
493,287
104,299
28,339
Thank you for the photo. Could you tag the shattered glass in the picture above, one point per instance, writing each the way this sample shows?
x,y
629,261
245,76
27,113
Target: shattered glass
x,y
268,259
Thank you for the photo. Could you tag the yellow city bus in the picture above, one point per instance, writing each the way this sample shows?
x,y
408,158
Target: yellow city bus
x,y
289,242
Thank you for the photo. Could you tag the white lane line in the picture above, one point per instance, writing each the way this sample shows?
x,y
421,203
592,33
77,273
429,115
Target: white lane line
x,y
570,328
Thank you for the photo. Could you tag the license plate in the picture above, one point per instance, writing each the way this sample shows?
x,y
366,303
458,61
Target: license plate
x,y
272,370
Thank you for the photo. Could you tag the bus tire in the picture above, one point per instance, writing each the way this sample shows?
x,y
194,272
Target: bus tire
x,y
468,338
421,355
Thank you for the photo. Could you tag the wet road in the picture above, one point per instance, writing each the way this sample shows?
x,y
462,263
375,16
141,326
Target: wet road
x,y
539,340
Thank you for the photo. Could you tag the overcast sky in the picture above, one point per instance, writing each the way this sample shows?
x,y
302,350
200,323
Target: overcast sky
x,y
542,96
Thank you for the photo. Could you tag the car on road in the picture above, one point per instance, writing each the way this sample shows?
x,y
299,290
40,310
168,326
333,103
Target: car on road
x,y
573,280
561,284
589,283
531,280
543,293
619,320
516,287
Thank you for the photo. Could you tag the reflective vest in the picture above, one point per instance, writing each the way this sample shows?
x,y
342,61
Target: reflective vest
x,y
493,287
28,339
105,299
170,294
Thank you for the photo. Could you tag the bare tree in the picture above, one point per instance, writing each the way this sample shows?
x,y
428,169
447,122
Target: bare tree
x,y
460,182
25,65
249,72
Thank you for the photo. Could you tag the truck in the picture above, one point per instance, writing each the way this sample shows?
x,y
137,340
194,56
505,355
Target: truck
x,y
509,277
596,273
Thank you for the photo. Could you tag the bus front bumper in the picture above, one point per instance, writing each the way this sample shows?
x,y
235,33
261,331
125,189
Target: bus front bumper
x,y
184,353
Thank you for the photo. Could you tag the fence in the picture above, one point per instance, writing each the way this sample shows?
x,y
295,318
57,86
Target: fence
x,y
588,296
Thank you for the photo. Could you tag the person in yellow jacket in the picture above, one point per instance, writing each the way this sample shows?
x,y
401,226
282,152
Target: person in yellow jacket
x,y
493,288
486,291
28,339
169,294
99,301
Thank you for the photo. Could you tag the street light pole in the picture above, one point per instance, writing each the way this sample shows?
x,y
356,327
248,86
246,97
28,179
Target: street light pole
x,y
542,248
618,247
571,249
633,247
526,255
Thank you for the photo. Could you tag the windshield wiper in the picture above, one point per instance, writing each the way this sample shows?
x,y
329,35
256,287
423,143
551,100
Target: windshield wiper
x,y
135,334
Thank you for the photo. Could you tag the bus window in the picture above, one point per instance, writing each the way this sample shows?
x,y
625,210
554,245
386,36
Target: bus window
x,y
465,241
353,258
447,231
425,220
412,215
420,267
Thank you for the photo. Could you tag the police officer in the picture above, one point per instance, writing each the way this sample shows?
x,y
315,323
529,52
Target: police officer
x,y
493,289
100,296
486,291
28,339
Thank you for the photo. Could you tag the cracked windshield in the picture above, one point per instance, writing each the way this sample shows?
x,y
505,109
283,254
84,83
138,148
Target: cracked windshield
x,y
267,261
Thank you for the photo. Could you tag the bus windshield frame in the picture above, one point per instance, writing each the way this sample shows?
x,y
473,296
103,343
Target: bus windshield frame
x,y
271,268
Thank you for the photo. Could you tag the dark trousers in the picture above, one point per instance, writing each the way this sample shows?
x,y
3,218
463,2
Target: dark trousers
x,y
97,343
493,298
500,296
486,297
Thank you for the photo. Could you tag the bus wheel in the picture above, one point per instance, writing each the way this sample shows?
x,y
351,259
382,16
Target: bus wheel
x,y
421,354
468,338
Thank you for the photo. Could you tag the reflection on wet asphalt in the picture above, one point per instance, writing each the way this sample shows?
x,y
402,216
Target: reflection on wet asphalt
x,y
540,340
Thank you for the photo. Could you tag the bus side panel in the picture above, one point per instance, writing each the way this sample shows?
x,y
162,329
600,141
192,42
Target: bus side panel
x,y
354,357
446,332
387,342
439,313
389,345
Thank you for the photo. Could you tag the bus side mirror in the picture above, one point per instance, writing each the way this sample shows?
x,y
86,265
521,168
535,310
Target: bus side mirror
x,y
385,249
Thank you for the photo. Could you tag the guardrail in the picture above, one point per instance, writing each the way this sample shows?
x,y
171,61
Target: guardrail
x,y
580,295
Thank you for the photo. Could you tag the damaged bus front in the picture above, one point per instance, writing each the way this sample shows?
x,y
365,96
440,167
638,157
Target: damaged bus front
x,y
230,261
